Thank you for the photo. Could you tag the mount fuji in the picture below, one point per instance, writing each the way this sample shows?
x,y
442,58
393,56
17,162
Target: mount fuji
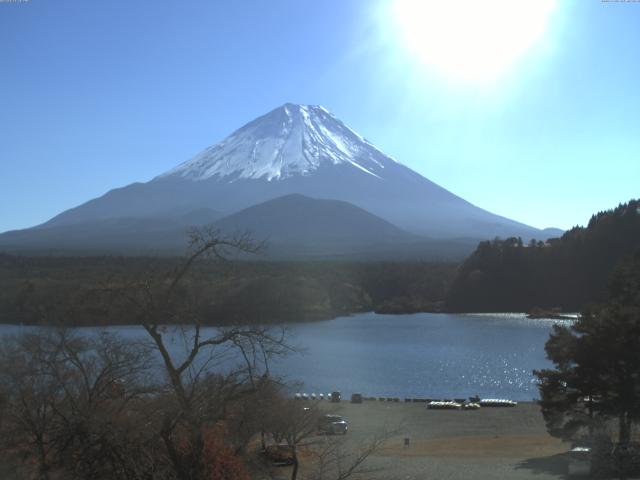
x,y
291,151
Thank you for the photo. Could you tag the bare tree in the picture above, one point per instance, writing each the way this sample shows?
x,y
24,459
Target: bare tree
x,y
336,460
79,406
296,423
168,305
291,422
28,414
68,402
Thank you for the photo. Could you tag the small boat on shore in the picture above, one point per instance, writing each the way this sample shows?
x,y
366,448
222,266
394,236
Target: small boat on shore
x,y
448,405
497,402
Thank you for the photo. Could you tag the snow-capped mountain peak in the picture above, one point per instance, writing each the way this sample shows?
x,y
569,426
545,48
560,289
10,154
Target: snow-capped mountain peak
x,y
288,141
292,150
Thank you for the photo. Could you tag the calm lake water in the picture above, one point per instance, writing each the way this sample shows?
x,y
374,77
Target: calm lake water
x,y
421,355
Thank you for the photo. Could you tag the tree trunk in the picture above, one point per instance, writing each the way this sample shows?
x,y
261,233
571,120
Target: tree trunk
x,y
43,467
624,431
198,467
294,473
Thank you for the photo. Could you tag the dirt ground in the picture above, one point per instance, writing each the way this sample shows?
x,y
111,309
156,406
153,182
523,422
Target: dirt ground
x,y
491,443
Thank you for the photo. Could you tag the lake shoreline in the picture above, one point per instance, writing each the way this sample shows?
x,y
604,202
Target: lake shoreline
x,y
309,319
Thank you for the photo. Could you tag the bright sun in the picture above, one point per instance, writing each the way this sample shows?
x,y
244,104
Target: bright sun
x,y
471,40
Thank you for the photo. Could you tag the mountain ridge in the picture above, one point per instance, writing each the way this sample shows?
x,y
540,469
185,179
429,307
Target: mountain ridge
x,y
296,149
289,227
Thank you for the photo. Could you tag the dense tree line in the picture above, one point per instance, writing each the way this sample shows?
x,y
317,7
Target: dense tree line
x,y
71,290
565,273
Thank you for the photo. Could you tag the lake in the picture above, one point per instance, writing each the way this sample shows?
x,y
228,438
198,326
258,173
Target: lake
x,y
420,355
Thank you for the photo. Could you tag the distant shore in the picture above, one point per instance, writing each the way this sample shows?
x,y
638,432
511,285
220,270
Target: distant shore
x,y
309,319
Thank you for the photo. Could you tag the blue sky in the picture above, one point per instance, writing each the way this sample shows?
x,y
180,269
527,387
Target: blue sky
x,y
96,95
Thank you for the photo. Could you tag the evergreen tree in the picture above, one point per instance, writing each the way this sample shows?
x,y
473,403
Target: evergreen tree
x,y
565,273
596,380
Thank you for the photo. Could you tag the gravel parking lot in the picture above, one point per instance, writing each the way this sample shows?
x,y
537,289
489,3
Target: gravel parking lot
x,y
500,443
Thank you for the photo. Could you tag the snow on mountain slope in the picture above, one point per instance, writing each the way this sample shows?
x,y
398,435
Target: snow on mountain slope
x,y
288,141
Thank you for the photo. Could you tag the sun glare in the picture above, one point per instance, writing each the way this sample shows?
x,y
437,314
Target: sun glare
x,y
471,40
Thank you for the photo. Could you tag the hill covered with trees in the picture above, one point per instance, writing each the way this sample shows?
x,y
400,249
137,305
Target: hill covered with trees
x,y
501,275
564,273
75,290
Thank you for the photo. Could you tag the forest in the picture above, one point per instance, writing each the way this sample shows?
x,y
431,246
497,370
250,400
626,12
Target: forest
x,y
561,274
75,290
502,275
